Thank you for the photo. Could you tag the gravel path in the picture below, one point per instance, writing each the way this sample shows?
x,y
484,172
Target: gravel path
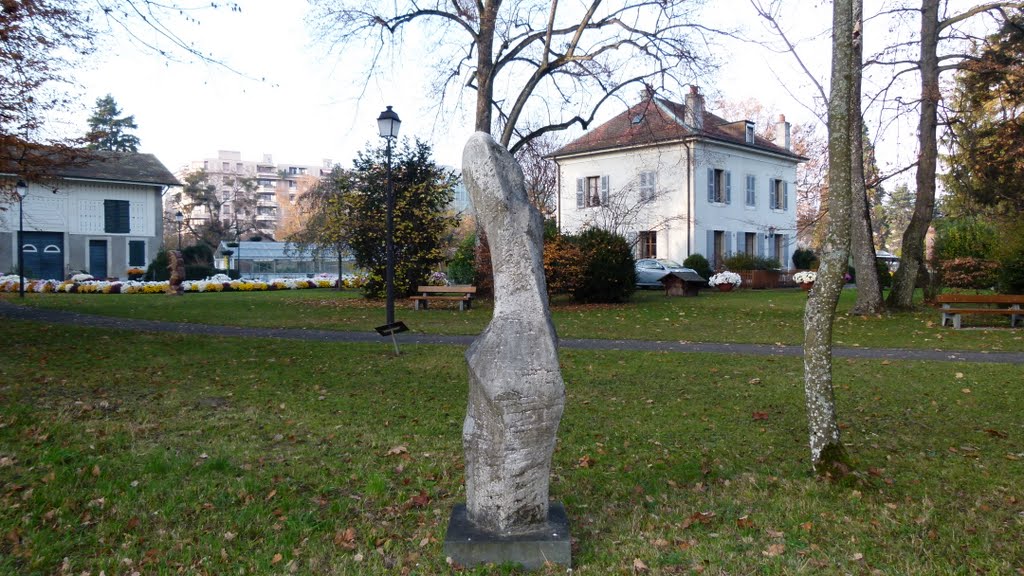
x,y
14,311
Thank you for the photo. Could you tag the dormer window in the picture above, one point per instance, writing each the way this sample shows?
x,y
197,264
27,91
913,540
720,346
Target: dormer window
x,y
637,119
750,132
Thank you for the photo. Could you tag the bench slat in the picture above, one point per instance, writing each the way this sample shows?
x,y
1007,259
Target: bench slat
x,y
980,299
446,289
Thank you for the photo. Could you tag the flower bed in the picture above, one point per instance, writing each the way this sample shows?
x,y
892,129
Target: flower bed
x,y
84,284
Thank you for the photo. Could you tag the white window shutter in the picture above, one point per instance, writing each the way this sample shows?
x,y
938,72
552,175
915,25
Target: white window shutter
x,y
785,195
771,194
579,193
728,187
604,190
711,184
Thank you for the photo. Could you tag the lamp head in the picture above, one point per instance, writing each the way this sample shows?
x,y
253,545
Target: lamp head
x,y
179,217
388,123
21,188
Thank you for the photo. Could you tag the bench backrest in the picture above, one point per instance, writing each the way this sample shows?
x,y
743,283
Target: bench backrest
x,y
447,289
980,299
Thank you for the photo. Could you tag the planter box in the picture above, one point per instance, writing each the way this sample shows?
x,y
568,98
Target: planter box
x,y
759,279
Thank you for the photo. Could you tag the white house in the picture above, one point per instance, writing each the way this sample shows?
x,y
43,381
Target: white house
x,y
678,180
100,213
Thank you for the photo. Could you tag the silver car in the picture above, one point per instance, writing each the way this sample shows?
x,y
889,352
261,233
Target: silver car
x,y
650,271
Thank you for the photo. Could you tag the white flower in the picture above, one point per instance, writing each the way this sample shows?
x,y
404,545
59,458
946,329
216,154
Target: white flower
x,y
81,277
725,278
805,277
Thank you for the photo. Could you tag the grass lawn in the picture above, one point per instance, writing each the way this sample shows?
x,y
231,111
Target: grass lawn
x,y
746,316
168,454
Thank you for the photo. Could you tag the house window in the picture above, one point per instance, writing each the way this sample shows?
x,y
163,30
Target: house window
x,y
137,253
225,166
648,185
115,217
719,249
750,133
750,243
649,244
751,195
591,191
719,186
778,194
239,168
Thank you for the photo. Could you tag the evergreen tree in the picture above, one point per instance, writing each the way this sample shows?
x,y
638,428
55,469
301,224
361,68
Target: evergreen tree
x,y
423,192
108,130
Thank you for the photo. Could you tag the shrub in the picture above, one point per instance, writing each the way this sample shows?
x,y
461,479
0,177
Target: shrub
x,y
744,261
198,271
610,270
804,259
1011,272
969,272
461,269
197,254
157,270
563,265
699,264
484,275
740,261
884,276
965,238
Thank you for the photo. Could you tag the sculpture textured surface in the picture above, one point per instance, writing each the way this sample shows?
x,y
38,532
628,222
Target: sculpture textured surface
x,y
516,392
176,265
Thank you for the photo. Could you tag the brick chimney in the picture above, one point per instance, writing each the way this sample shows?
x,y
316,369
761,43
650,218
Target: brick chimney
x,y
782,135
694,114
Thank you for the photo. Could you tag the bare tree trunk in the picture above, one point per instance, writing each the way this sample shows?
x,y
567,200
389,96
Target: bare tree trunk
x,y
828,456
869,291
912,258
485,65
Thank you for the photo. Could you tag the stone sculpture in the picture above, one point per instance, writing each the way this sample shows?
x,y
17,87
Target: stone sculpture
x,y
176,265
516,392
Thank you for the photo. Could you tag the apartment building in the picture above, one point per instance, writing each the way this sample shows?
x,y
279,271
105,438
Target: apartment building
x,y
250,195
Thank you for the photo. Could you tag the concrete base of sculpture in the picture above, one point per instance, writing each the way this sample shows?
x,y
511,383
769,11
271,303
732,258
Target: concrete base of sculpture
x,y
470,546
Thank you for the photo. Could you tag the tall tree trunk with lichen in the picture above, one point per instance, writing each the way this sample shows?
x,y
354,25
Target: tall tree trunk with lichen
x,y
869,291
912,260
828,457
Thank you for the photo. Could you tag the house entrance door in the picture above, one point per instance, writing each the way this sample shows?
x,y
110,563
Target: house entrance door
x,y
98,259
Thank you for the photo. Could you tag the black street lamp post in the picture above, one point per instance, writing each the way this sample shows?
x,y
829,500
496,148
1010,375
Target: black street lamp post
x,y
388,124
179,218
22,190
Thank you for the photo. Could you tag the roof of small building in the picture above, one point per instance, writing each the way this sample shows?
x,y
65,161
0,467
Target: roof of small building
x,y
101,165
252,250
656,120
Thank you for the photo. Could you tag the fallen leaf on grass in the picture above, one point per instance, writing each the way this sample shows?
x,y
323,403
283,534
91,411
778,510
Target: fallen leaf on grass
x,y
702,517
420,500
639,566
277,558
996,433
760,415
774,550
744,522
660,543
585,462
400,449
346,539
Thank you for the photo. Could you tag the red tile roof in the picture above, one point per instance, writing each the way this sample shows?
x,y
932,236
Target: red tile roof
x,y
656,120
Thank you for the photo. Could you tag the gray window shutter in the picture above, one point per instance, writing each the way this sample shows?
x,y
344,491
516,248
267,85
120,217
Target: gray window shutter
x,y
604,190
785,197
710,249
711,184
760,244
579,193
728,187
741,246
786,256
728,243
771,194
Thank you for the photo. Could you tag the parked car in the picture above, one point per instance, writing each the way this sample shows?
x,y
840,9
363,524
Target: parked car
x,y
650,271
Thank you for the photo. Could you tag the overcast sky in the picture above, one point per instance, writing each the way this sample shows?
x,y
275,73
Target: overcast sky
x,y
306,105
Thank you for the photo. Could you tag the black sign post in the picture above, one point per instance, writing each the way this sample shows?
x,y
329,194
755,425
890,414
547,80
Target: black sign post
x,y
391,330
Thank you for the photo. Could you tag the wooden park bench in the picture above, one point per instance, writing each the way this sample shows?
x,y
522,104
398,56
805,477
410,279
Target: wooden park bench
x,y
461,294
953,305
